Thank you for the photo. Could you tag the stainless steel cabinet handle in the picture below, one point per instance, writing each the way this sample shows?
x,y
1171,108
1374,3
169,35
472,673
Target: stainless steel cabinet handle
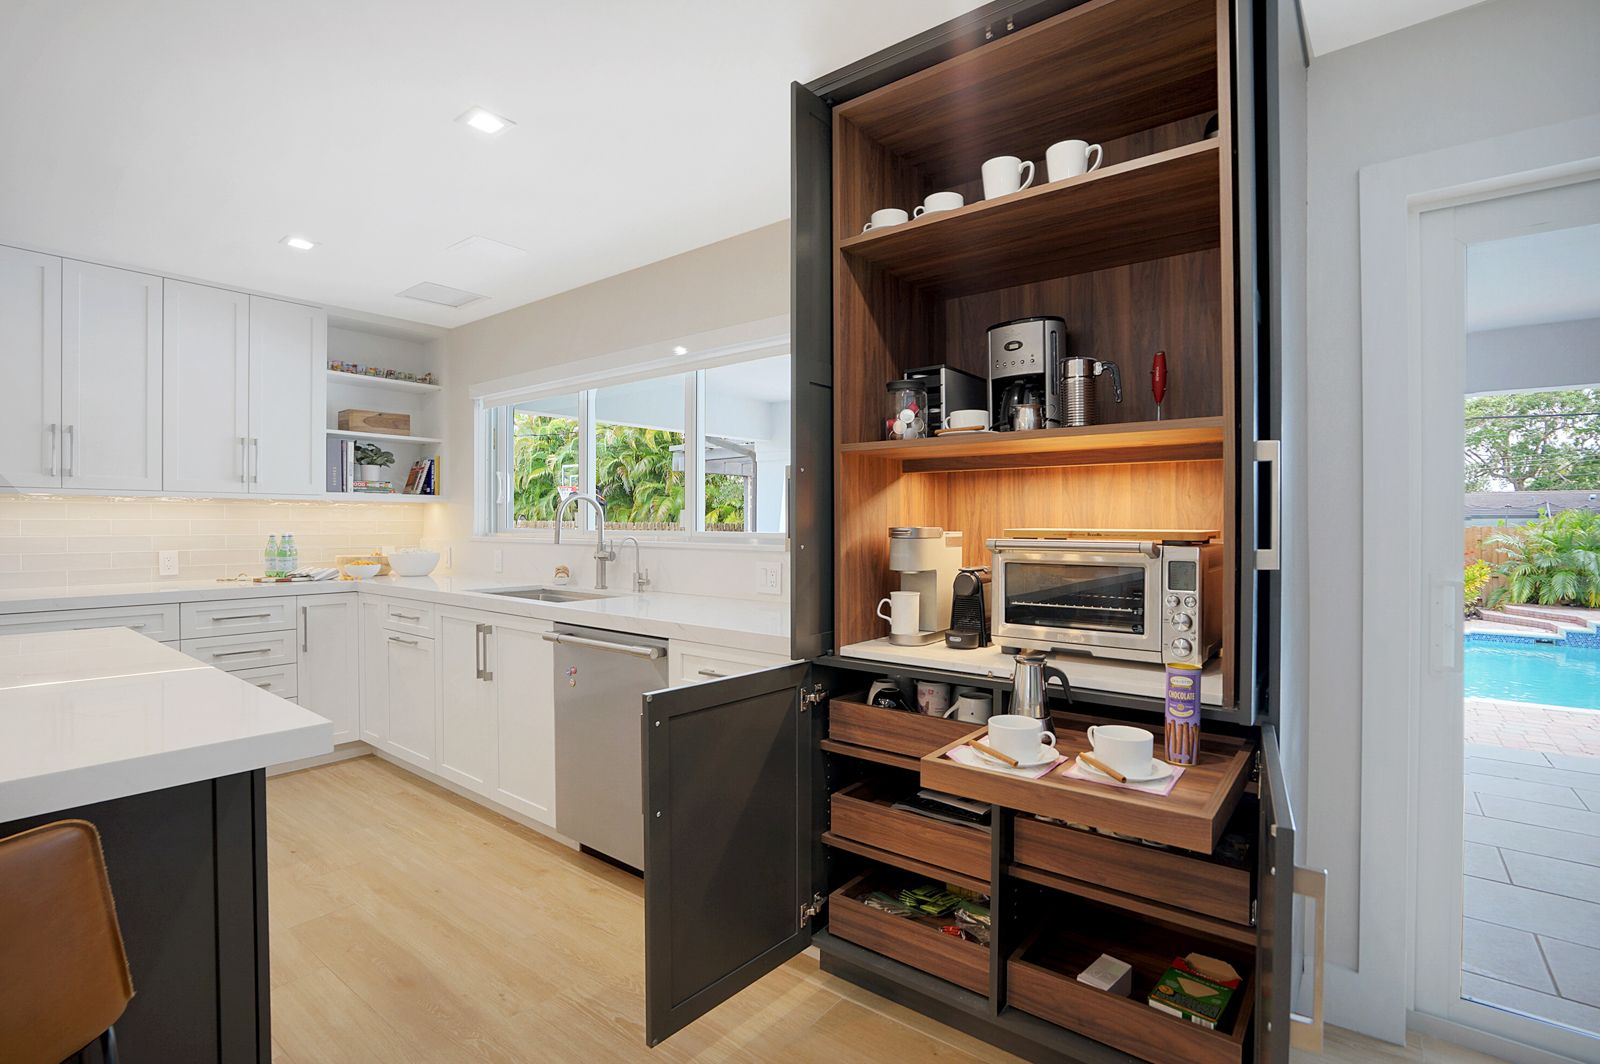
x,y
255,465
69,435
713,673
405,616
240,653
407,642
244,460
1305,1032
1269,558
599,644
305,629
263,684
241,617
55,451
484,631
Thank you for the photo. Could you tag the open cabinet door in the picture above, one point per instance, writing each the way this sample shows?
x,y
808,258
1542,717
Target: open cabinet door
x,y
728,839
1275,960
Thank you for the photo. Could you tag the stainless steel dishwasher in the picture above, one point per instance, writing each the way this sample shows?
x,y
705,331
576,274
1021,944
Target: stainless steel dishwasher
x,y
601,679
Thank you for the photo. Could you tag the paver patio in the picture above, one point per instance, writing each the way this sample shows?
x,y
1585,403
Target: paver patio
x,y
1531,935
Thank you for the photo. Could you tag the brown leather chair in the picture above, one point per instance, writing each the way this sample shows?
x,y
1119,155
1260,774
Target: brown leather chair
x,y
63,974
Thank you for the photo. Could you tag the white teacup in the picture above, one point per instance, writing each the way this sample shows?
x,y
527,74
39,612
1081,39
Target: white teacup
x,y
1124,748
886,217
1020,738
939,201
1002,176
967,419
1069,158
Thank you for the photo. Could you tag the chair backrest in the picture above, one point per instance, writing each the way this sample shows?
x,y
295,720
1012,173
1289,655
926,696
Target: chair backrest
x,y
63,973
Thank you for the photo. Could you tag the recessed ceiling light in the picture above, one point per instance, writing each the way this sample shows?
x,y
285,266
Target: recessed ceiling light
x,y
299,243
485,121
680,350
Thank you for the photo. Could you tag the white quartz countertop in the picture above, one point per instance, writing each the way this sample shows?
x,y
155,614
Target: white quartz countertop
x,y
732,623
89,716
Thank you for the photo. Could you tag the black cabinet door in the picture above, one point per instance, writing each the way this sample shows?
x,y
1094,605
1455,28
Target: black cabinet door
x,y
811,363
728,839
1275,963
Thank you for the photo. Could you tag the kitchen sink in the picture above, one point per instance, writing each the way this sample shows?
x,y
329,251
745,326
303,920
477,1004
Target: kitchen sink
x,y
549,594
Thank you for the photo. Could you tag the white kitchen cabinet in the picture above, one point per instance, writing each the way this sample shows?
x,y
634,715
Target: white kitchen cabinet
x,y
111,378
409,666
329,674
158,622
374,672
30,365
524,666
467,727
698,662
206,385
288,398
231,653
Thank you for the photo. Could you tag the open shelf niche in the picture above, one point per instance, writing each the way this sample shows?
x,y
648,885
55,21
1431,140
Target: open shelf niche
x,y
413,349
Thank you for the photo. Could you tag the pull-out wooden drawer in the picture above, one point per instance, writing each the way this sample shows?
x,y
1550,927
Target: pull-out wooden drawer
x,y
1042,979
280,680
895,731
234,653
1215,886
157,622
403,615
237,616
864,812
913,940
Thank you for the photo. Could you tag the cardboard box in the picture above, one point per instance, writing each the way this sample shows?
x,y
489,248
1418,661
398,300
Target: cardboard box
x,y
375,421
1196,988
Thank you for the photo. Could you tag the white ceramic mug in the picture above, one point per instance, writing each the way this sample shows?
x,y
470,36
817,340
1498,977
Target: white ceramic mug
x,y
1069,158
1002,176
939,201
886,217
1021,738
1124,748
967,419
971,706
905,612
933,698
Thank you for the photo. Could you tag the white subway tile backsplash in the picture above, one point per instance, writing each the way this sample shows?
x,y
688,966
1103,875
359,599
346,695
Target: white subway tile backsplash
x,y
57,526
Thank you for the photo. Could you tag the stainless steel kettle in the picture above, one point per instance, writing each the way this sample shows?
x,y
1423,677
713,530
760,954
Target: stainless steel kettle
x,y
1027,685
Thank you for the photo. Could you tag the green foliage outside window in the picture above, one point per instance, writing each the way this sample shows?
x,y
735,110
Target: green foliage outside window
x,y
1534,441
1554,561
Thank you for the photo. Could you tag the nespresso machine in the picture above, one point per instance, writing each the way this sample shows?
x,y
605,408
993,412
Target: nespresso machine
x,y
927,559
1025,372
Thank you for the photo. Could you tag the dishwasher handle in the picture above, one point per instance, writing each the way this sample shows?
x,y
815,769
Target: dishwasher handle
x,y
631,649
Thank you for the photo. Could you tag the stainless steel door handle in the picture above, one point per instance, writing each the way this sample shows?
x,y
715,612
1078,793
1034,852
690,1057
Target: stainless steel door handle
x,y
244,460
713,673
242,617
405,616
305,629
484,631
406,642
255,455
240,653
263,684
69,454
1269,558
55,451
599,644
477,652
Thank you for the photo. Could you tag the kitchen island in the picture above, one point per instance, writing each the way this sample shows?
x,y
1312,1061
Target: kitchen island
x,y
166,757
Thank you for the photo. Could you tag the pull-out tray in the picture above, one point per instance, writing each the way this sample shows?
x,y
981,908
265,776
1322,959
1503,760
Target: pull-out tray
x,y
1191,816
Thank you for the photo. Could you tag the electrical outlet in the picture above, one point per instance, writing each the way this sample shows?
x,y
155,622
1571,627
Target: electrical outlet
x,y
499,560
771,579
167,560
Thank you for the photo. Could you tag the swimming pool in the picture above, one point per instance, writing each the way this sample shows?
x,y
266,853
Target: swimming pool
x,y
1524,670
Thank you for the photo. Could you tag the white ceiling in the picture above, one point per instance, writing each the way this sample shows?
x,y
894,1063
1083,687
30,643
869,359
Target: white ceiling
x,y
1335,24
188,137
1534,279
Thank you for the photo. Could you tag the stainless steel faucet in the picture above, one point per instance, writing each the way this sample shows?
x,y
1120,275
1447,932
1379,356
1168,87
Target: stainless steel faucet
x,y
602,552
641,576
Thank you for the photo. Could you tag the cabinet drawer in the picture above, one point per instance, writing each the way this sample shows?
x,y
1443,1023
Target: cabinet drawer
x,y
237,616
413,618
894,730
235,653
1171,877
697,663
865,813
280,680
913,940
157,622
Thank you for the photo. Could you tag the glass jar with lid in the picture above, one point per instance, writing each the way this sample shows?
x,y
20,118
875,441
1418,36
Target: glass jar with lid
x,y
906,410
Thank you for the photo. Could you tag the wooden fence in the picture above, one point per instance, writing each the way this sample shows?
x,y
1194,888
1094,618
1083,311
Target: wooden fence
x,y
1474,547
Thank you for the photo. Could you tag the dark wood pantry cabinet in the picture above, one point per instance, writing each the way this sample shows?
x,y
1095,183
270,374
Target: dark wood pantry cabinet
x,y
774,800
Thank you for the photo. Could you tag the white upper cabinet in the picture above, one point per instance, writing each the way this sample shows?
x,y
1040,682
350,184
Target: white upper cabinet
x,y
206,368
288,397
30,366
110,378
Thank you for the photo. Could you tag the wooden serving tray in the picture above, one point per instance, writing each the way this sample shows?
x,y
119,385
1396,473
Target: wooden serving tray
x,y
1192,816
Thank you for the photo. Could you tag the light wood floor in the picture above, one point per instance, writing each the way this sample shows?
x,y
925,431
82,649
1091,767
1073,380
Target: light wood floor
x,y
410,925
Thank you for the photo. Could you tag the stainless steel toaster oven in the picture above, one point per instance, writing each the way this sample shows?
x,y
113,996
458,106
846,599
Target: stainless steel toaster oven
x,y
1137,600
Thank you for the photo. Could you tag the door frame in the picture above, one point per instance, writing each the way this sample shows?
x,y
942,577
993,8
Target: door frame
x,y
1377,997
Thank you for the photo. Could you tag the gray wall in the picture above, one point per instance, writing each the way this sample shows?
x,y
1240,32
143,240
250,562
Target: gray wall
x,y
1486,71
1560,354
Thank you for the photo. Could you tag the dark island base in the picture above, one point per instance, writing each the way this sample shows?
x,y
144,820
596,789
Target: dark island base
x,y
188,868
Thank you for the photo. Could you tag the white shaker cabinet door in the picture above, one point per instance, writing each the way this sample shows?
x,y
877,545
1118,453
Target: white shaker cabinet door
x,y
205,368
466,699
374,672
30,366
288,397
412,698
524,678
110,378
330,677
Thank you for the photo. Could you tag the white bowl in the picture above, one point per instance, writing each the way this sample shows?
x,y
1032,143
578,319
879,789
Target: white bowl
x,y
362,570
967,419
413,562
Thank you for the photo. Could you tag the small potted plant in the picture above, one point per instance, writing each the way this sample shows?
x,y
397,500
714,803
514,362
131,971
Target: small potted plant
x,y
373,460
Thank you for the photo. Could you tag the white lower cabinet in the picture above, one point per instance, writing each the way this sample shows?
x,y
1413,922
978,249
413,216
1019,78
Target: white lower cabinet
x,y
329,673
524,681
466,700
412,698
374,672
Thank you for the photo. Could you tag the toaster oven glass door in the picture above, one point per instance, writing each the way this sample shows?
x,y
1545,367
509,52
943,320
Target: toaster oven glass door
x,y
1088,598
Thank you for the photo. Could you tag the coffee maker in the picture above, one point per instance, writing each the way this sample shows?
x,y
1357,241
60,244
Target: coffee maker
x,y
927,559
1025,372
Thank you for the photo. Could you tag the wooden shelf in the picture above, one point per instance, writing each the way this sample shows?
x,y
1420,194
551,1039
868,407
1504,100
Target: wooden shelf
x,y
1152,207
361,380
1188,439
382,437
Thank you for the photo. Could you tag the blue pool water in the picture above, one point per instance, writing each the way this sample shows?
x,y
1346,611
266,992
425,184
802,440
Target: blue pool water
x,y
1555,674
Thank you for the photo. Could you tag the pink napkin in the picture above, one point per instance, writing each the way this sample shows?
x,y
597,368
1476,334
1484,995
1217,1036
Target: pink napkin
x,y
966,755
1160,787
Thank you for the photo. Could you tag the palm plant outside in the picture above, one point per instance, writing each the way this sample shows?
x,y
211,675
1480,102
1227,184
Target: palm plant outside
x,y
1554,561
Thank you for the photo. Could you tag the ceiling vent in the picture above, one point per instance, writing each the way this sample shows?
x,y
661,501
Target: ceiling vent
x,y
442,294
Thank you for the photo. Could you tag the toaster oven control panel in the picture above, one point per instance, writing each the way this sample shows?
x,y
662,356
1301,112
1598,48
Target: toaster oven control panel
x,y
1179,606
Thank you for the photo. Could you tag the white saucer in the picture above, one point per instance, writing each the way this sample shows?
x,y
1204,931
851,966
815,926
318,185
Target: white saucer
x,y
1159,770
1048,759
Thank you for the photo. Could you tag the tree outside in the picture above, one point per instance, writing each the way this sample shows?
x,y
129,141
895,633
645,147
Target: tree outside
x,y
1533,441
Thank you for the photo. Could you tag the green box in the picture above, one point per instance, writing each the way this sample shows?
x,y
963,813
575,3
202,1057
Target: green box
x,y
1196,989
